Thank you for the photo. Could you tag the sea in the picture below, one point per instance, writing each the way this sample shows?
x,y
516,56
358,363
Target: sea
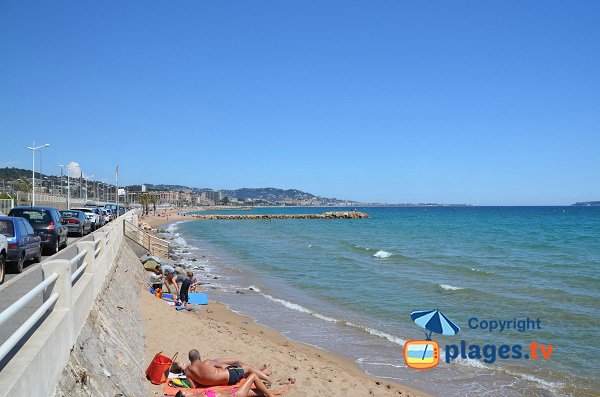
x,y
348,286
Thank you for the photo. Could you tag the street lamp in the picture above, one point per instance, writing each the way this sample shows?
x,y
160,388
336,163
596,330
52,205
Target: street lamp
x,y
33,149
61,178
87,179
69,167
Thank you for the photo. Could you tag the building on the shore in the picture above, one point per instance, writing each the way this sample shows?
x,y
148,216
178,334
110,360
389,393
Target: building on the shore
x,y
210,197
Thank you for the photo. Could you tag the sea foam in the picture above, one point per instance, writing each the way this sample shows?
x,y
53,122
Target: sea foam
x,y
447,287
299,308
382,254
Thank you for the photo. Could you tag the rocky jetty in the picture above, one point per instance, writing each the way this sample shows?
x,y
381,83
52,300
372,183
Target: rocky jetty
x,y
325,215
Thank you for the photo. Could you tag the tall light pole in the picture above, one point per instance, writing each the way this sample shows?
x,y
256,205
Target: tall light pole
x,y
87,180
61,178
33,149
69,167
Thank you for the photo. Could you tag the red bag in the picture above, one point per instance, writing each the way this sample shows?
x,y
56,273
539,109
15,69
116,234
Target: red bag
x,y
158,370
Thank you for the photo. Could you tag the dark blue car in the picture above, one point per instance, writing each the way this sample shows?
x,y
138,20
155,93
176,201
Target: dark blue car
x,y
23,244
46,221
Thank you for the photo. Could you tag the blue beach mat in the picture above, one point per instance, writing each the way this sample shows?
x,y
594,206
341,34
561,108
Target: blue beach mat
x,y
198,298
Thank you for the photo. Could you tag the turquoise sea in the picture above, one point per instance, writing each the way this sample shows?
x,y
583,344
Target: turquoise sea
x,y
348,286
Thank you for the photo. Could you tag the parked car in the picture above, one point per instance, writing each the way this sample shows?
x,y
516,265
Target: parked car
x,y
76,222
112,208
92,215
101,220
22,243
46,223
3,249
107,215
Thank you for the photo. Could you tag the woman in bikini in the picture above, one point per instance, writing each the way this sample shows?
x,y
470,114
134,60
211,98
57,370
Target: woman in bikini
x,y
252,387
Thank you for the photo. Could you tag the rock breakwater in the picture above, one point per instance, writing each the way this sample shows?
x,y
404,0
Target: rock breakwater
x,y
325,215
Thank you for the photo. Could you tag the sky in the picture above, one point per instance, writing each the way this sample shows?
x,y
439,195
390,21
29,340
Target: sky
x,y
478,102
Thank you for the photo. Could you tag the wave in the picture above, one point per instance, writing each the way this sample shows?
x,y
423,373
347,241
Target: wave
x,y
173,227
302,309
363,248
363,360
288,304
254,288
376,332
382,254
447,287
179,241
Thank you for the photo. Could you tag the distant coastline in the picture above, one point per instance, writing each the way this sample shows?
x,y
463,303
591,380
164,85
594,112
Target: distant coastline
x,y
587,204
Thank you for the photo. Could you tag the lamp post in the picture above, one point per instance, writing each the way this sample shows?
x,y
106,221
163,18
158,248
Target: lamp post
x,y
33,149
87,180
61,178
69,167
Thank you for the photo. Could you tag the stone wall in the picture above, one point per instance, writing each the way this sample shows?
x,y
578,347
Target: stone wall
x,y
107,359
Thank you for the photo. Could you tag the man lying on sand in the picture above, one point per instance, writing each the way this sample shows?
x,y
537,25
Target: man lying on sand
x,y
251,387
220,372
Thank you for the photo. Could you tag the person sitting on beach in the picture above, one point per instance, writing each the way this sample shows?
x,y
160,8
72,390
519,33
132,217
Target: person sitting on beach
x,y
156,279
170,283
194,280
220,372
252,387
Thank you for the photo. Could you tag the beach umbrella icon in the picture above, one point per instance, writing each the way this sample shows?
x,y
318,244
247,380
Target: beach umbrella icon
x,y
434,321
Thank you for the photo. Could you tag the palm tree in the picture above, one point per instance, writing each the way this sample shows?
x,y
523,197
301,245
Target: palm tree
x,y
144,200
154,200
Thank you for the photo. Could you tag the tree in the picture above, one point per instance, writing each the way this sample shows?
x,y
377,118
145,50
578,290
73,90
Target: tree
x,y
154,200
225,201
144,201
22,185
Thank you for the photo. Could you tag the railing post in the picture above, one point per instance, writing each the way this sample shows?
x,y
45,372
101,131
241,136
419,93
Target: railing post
x,y
62,286
90,258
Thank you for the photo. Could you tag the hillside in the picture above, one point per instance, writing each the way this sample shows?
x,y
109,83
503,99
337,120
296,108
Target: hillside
x,y
265,195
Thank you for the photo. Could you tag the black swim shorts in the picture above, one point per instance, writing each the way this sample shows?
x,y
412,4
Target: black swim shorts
x,y
235,374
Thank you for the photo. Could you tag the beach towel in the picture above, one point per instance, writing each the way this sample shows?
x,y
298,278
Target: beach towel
x,y
198,298
171,388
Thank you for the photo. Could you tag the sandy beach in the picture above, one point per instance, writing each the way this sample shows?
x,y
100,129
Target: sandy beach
x,y
217,331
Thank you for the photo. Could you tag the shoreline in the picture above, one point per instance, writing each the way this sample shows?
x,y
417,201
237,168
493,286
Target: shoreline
x,y
315,370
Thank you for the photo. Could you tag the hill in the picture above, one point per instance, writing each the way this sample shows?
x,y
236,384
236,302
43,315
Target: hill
x,y
587,204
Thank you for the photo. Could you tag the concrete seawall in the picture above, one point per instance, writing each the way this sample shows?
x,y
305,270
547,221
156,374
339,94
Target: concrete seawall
x,y
107,359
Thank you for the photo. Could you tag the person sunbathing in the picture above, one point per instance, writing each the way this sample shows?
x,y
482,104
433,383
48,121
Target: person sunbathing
x,y
222,371
252,387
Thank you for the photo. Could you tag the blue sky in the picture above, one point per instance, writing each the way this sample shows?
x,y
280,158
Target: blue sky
x,y
494,102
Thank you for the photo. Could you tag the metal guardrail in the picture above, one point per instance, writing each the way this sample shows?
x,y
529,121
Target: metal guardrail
x,y
79,264
154,245
69,289
13,309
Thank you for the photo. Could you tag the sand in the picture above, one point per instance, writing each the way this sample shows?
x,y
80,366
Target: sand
x,y
217,331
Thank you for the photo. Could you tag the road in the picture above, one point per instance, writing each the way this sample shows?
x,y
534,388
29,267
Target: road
x,y
17,285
